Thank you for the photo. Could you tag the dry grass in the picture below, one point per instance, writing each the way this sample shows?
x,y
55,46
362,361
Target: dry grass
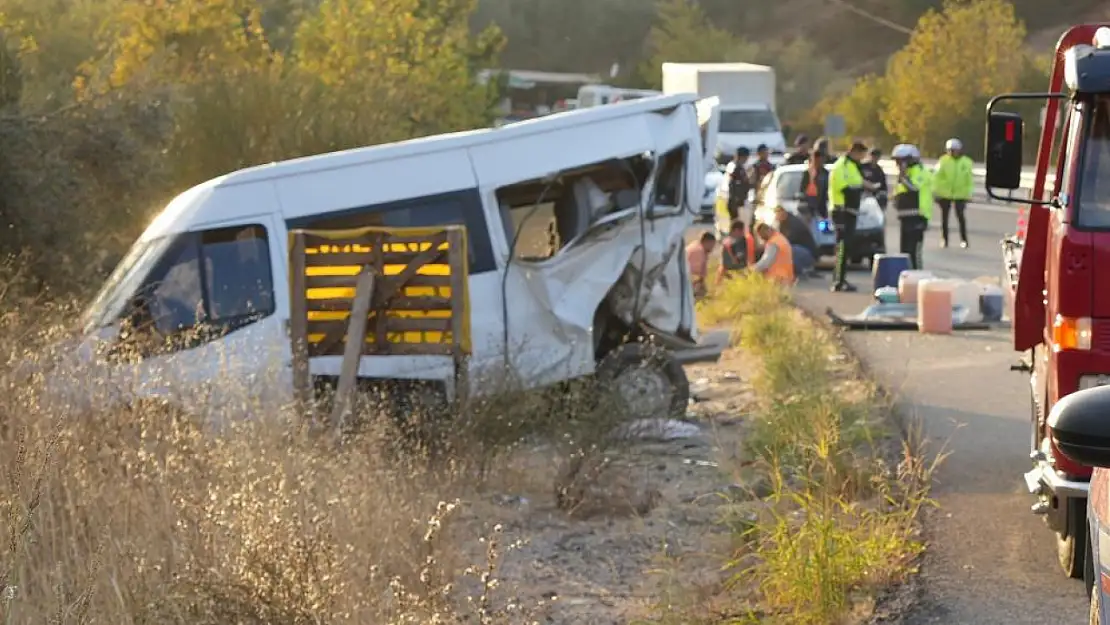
x,y
143,514
837,522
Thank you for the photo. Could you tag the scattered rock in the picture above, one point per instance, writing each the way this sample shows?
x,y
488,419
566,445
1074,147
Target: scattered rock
x,y
510,500
660,429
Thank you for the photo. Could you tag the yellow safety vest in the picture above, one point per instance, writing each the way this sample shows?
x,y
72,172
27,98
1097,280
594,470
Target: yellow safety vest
x,y
912,203
954,178
845,174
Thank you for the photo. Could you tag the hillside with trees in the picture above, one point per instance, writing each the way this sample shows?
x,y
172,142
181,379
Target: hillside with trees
x,y
918,70
108,108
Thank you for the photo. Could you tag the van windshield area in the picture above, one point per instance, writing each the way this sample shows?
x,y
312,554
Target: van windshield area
x,y
748,121
1094,187
122,283
220,279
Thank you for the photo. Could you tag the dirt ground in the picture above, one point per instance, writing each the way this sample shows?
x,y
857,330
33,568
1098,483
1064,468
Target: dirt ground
x,y
649,529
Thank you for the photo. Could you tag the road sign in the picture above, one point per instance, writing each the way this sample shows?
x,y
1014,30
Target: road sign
x,y
835,127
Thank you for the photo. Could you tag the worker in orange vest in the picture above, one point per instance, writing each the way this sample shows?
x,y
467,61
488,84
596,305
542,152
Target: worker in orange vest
x,y
737,250
777,262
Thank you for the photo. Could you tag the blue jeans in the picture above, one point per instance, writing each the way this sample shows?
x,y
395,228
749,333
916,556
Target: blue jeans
x,y
803,260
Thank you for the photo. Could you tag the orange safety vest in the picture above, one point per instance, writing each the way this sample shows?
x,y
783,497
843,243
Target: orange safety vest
x,y
782,270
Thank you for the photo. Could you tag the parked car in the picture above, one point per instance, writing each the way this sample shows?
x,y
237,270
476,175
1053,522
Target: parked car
x,y
783,188
1081,431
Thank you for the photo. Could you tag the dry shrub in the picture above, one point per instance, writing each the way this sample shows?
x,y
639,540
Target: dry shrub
x,y
143,514
839,521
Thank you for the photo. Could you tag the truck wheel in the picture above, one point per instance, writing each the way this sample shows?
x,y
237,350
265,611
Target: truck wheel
x,y
647,379
1070,540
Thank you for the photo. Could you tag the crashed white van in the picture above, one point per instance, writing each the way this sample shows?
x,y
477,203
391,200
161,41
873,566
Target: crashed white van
x,y
575,229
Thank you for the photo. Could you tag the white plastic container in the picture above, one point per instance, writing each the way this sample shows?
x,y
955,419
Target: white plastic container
x,y
967,294
934,306
907,284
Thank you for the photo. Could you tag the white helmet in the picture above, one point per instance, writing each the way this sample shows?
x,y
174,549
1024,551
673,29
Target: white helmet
x,y
953,144
905,151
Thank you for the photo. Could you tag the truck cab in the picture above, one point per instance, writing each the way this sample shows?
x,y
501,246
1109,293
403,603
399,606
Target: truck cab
x,y
1059,267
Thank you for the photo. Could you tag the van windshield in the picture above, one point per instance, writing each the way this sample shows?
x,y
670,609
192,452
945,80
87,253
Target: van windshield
x,y
122,283
1094,191
748,121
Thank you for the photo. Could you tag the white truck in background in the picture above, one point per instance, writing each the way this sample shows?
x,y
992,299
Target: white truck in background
x,y
747,102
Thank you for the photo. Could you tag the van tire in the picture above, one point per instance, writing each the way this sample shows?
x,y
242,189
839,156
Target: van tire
x,y
657,367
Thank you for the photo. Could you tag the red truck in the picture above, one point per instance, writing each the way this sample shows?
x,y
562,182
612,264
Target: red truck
x,y
1058,270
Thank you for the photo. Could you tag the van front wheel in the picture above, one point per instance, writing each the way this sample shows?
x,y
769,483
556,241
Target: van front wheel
x,y
646,380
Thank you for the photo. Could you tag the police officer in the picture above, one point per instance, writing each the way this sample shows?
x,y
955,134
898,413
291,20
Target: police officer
x,y
953,183
846,187
913,200
739,182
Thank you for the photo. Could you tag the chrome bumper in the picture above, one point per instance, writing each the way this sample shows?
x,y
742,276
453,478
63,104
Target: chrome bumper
x,y
1044,480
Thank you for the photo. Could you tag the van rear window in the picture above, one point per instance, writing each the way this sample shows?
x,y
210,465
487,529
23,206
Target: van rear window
x,y
456,208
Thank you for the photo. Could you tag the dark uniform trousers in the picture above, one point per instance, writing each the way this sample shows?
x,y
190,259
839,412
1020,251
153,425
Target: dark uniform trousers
x,y
912,235
844,220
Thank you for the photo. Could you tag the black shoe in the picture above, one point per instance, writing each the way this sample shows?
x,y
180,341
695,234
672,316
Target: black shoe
x,y
843,287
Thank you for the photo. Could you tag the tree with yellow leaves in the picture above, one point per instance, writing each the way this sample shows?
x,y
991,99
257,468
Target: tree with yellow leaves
x,y
955,58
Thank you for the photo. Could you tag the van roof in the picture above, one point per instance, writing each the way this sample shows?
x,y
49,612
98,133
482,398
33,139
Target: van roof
x,y
452,141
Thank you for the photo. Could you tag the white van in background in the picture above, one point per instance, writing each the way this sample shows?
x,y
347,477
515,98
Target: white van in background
x,y
597,95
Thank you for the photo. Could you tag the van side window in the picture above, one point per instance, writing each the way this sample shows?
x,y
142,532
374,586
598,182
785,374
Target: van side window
x,y
541,216
219,279
462,208
670,181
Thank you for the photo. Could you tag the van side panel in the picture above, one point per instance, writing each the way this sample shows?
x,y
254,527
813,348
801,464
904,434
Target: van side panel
x,y
375,183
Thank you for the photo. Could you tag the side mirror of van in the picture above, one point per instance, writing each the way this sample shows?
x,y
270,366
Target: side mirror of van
x,y
1003,154
1080,426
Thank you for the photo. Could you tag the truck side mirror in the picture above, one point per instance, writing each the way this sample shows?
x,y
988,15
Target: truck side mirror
x,y
1080,426
1003,153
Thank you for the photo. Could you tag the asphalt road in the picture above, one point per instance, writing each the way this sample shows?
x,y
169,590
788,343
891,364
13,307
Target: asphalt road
x,y
990,561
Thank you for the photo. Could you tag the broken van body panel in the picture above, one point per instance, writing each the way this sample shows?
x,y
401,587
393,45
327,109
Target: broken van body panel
x,y
570,218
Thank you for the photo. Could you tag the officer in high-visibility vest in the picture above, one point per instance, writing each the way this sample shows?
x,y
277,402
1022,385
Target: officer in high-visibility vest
x,y
846,187
913,199
953,183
